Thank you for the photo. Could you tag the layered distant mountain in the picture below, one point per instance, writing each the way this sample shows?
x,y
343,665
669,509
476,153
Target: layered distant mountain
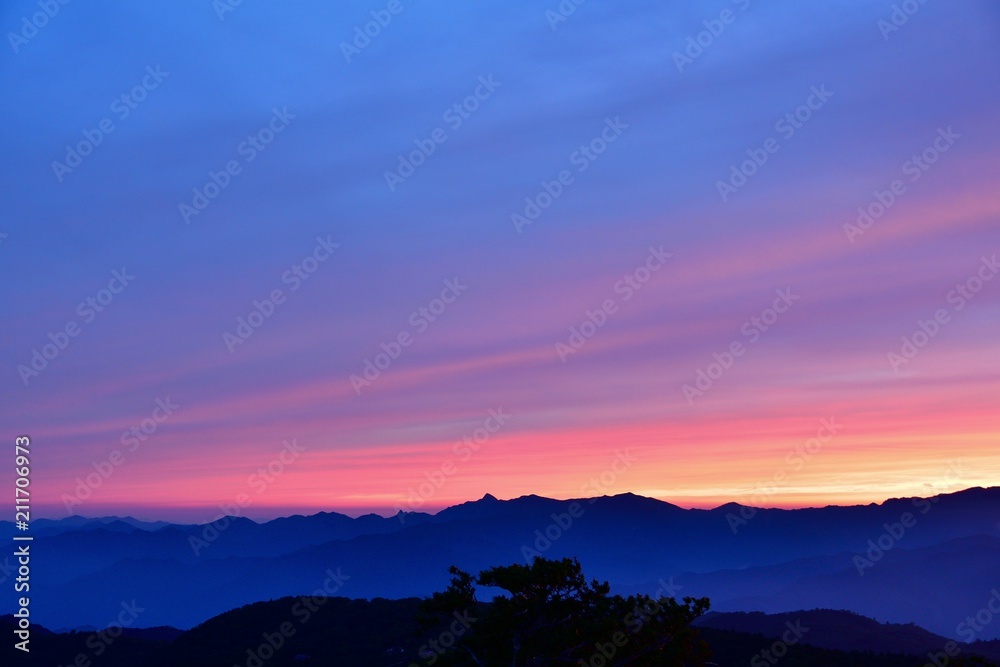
x,y
934,562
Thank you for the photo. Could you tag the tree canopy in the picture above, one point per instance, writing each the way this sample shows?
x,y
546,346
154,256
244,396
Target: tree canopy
x,y
549,614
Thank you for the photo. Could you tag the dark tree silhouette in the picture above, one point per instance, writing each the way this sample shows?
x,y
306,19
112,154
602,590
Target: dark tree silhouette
x,y
551,615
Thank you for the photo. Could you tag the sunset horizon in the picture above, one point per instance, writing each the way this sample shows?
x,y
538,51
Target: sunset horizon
x,y
513,333
262,513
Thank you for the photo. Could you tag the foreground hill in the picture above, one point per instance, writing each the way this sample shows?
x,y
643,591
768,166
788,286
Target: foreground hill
x,y
935,571
844,631
385,633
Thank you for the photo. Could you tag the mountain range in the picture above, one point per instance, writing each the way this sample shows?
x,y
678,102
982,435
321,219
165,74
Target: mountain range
x,y
932,561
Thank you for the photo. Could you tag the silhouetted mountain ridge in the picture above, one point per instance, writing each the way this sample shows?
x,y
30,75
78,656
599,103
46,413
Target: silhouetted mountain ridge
x,y
772,560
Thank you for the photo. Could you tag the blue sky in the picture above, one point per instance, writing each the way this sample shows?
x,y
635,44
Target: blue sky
x,y
656,185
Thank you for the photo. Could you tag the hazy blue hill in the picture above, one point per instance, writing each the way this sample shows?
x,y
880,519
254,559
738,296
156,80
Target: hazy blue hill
x,y
937,587
47,527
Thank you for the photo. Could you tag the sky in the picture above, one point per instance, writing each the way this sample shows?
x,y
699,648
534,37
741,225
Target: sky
x,y
705,252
